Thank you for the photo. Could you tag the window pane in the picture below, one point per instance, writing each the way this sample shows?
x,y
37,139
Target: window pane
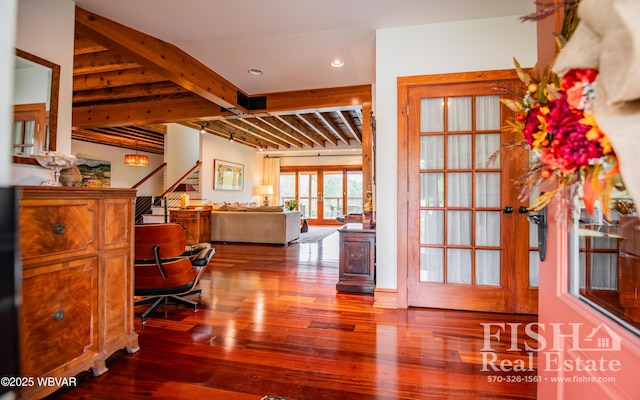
x,y
459,112
488,228
487,146
354,192
432,190
488,113
458,266
432,115
432,152
534,264
459,190
488,267
431,265
459,152
488,189
459,228
431,227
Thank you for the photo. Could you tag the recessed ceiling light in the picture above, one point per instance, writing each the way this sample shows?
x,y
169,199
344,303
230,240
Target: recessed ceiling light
x,y
255,71
337,63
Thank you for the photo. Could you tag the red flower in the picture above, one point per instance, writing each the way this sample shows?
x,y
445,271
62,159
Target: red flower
x,y
531,125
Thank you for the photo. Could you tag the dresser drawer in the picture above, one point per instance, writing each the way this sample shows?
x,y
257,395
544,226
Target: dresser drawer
x,y
57,324
51,230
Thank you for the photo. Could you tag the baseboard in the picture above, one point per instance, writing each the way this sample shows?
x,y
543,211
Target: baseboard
x,y
385,298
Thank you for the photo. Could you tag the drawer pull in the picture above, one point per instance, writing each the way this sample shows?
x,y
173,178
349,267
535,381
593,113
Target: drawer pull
x,y
59,229
58,315
355,256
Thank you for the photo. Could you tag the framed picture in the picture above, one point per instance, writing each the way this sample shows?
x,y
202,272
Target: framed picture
x,y
95,173
228,175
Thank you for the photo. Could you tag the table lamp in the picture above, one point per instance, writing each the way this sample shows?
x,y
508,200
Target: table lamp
x,y
266,191
184,197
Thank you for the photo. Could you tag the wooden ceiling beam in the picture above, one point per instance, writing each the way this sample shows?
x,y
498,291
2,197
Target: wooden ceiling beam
x,y
295,123
274,123
221,129
103,61
84,45
313,123
162,57
317,98
253,123
128,91
242,127
114,140
335,129
348,122
115,78
161,110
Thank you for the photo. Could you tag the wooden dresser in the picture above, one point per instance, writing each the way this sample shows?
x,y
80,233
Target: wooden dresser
x,y
357,259
76,247
195,222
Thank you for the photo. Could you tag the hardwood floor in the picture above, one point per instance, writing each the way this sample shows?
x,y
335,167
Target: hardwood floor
x,y
271,323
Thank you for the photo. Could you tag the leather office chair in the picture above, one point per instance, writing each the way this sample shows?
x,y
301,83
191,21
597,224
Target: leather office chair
x,y
166,269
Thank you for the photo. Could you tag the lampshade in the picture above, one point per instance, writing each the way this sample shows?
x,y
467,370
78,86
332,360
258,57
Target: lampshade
x,y
136,160
266,189
184,187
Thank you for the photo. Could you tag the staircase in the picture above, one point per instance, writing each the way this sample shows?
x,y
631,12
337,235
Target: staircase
x,y
159,214
153,209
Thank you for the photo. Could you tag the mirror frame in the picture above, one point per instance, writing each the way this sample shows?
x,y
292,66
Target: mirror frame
x,y
53,108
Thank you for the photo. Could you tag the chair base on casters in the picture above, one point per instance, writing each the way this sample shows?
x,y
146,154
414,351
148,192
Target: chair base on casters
x,y
158,301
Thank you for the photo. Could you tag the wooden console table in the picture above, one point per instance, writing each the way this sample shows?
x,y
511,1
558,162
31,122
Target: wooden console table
x,y
195,222
357,259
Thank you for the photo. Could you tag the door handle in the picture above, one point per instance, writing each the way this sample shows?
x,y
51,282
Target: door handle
x,y
508,210
523,209
540,219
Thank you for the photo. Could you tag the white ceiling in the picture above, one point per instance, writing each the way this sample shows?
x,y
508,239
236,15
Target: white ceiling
x,y
292,41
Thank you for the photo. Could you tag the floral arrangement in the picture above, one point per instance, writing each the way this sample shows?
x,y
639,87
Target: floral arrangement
x,y
291,204
555,121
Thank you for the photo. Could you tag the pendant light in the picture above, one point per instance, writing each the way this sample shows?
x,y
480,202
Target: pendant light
x,y
136,160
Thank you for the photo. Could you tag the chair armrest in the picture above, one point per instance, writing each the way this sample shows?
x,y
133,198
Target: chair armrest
x,y
203,257
194,249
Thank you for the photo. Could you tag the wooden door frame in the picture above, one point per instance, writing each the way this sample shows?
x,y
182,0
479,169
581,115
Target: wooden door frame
x,y
405,253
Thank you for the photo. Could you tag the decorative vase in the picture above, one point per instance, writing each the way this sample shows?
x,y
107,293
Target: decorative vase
x,y
70,176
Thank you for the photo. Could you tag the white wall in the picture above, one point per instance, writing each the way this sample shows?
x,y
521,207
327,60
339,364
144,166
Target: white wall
x,y
487,44
7,44
122,176
45,28
181,150
214,147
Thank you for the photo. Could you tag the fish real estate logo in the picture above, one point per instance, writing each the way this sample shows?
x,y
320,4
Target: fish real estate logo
x,y
551,342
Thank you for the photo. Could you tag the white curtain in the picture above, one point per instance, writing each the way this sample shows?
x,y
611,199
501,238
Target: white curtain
x,y
271,176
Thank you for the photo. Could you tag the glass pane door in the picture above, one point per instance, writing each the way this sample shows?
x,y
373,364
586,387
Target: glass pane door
x,y
308,192
354,192
332,194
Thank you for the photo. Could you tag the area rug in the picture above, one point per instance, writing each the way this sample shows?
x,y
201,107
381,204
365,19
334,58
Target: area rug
x,y
314,235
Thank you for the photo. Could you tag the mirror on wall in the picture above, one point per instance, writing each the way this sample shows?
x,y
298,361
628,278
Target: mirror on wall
x,y
35,107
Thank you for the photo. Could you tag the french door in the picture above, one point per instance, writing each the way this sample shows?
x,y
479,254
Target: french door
x,y
467,235
324,193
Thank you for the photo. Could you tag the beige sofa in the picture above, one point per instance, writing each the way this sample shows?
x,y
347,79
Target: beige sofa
x,y
255,226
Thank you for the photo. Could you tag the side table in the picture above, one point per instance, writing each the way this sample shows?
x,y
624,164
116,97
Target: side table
x,y
357,259
305,225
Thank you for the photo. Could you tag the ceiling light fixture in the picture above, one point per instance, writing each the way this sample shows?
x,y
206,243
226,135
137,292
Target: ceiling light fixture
x,y
255,71
136,160
231,137
203,127
337,63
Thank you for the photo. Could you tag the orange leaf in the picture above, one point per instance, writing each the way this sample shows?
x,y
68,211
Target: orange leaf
x,y
590,195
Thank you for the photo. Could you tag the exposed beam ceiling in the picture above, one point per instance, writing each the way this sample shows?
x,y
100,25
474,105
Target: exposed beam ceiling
x,y
126,82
